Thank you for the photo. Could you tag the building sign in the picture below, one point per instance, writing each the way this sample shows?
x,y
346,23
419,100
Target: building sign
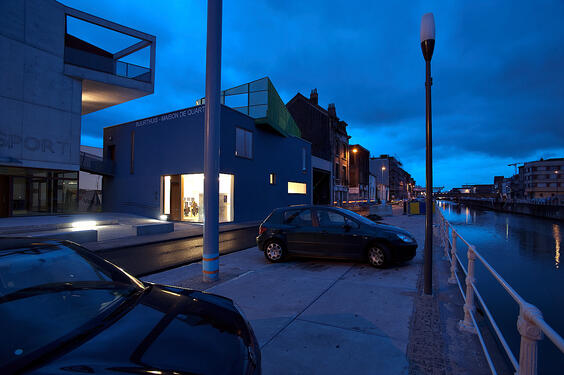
x,y
170,116
353,190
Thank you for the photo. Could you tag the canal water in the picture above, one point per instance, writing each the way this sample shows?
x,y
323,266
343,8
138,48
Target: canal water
x,y
526,252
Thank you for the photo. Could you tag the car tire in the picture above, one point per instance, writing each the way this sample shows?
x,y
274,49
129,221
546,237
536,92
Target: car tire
x,y
379,256
274,251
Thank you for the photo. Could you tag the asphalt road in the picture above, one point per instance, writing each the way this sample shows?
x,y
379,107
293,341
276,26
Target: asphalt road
x,y
150,258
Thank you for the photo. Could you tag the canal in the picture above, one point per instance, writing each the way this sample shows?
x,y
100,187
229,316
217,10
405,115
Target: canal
x,y
526,252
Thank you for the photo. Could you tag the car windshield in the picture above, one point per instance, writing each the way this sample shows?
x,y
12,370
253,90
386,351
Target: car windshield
x,y
50,290
356,216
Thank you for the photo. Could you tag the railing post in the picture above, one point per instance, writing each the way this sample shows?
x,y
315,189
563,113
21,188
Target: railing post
x,y
445,237
453,261
467,324
530,335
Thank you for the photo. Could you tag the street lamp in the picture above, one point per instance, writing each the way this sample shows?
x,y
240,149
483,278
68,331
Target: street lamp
x,y
383,187
427,47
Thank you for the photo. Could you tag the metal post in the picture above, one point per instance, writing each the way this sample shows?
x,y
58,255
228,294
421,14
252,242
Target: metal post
x,y
530,335
210,256
469,308
453,261
428,266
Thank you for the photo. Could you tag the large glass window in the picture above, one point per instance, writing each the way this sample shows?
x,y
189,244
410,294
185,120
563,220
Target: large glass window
x,y
243,143
191,196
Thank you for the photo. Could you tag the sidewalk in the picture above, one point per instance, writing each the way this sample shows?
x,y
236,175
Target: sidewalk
x,y
112,230
333,317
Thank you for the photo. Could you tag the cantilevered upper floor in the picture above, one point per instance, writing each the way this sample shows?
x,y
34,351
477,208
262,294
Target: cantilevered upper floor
x,y
107,79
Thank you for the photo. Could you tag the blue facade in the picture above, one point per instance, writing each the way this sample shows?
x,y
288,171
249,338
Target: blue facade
x,y
145,151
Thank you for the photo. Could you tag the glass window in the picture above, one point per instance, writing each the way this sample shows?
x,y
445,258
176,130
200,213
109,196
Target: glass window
x,y
297,188
327,218
272,179
243,143
193,197
304,159
166,195
300,218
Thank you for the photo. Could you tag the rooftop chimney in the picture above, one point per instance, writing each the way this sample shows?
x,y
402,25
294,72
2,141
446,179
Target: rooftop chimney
x,y
331,109
313,96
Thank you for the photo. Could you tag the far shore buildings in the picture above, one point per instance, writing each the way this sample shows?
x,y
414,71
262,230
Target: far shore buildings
x,y
544,180
51,77
329,147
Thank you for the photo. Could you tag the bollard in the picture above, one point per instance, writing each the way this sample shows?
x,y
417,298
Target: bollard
x,y
453,261
469,308
530,336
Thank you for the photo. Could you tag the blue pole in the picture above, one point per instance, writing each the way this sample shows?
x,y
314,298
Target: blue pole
x,y
210,256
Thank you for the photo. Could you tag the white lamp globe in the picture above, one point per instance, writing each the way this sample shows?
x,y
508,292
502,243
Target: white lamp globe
x,y
427,27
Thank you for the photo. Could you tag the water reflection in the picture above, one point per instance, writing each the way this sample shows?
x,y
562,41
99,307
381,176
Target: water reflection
x,y
525,251
557,239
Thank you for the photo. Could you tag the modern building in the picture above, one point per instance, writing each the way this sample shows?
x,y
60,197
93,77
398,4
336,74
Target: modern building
x,y
329,146
544,180
359,174
50,75
159,161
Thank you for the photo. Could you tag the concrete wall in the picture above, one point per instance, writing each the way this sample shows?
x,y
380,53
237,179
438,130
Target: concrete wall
x,y
174,144
539,210
40,106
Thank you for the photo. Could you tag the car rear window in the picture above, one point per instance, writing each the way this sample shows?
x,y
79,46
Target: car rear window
x,y
298,217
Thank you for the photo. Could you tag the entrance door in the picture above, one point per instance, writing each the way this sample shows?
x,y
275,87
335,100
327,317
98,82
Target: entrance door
x,y
175,201
4,196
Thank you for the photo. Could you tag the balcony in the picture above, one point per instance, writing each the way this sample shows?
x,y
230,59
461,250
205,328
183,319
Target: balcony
x,y
107,79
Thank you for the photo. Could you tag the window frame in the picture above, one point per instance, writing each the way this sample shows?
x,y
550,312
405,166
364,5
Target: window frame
x,y
250,150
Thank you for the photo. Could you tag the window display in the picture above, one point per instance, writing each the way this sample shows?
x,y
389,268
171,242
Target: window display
x,y
192,197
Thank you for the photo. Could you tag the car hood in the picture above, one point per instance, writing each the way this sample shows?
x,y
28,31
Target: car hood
x,y
390,229
169,330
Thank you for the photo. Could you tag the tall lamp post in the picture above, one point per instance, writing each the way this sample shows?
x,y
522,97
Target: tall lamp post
x,y
427,46
210,254
383,187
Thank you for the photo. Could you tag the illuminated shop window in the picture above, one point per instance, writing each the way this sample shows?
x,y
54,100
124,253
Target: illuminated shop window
x,y
297,188
193,197
272,179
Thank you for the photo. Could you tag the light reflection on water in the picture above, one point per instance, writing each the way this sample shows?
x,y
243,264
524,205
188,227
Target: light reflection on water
x,y
525,251
556,234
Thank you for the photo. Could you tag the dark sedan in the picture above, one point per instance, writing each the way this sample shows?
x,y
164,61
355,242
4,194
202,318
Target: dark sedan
x,y
321,231
65,310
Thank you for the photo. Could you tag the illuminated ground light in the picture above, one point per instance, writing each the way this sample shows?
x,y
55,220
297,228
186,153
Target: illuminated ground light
x,y
88,224
163,217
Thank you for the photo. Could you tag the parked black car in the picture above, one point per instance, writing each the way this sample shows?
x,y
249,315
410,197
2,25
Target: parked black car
x,y
321,231
65,310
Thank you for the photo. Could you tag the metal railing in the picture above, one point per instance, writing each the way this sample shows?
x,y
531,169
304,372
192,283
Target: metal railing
x,y
530,323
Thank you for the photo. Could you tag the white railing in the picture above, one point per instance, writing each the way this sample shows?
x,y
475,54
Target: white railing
x,y
530,323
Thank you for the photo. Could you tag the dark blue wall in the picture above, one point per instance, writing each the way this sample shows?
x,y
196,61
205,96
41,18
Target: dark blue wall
x,y
174,144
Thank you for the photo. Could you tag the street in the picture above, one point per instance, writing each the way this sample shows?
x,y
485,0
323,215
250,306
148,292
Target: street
x,y
150,258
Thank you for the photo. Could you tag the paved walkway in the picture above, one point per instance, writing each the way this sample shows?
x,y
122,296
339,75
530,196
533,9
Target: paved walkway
x,y
323,317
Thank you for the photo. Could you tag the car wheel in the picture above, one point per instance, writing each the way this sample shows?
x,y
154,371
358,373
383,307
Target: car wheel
x,y
274,251
379,256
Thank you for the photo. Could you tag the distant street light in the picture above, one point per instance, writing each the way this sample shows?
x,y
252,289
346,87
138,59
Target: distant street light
x,y
354,150
383,187
427,47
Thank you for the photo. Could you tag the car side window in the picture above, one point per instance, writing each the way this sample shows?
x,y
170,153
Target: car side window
x,y
301,218
351,223
329,218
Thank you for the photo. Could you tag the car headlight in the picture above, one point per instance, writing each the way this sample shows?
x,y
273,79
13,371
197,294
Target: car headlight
x,y
404,237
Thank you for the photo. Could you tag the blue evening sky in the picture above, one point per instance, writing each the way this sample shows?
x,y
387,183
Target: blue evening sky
x,y
498,72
